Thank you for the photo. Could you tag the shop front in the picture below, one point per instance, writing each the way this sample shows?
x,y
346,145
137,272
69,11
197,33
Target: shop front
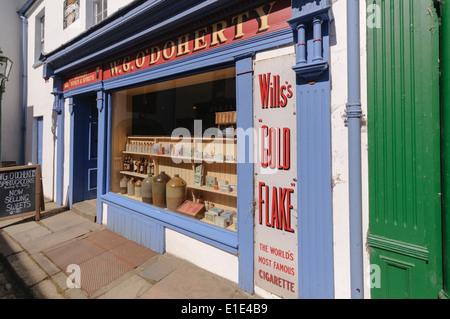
x,y
202,129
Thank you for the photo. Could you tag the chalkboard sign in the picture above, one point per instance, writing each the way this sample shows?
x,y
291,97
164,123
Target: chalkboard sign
x,y
21,191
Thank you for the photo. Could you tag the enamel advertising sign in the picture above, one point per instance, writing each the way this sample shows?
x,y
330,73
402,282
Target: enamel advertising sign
x,y
276,252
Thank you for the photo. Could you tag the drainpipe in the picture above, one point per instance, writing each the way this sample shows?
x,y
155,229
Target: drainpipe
x,y
445,142
24,87
354,115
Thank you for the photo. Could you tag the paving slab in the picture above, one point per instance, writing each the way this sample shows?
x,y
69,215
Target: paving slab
x,y
73,253
60,279
46,290
132,253
20,227
11,286
129,289
102,258
31,235
76,293
53,239
106,239
26,268
163,266
46,265
8,246
101,270
62,221
9,222
190,282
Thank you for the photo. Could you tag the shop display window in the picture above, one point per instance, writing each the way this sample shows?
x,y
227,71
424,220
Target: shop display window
x,y
174,146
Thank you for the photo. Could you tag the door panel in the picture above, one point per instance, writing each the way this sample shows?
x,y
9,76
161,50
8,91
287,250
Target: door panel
x,y
85,145
404,149
91,151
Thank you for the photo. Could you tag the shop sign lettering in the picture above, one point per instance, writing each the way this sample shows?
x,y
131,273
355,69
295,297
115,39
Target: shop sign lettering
x,y
265,18
84,78
274,94
276,252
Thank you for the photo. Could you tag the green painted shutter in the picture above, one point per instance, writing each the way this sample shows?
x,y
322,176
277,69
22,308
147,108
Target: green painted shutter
x,y
404,149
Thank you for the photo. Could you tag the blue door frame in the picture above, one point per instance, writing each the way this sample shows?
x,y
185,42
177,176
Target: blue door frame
x,y
83,179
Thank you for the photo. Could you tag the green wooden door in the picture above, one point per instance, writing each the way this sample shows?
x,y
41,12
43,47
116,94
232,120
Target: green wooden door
x,y
404,149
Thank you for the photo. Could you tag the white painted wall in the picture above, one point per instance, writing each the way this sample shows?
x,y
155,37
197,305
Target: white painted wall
x,y
115,5
203,255
11,45
40,102
338,38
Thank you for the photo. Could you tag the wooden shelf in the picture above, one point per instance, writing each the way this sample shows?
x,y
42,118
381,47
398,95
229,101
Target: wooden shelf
x,y
200,188
230,227
212,190
134,174
170,138
190,159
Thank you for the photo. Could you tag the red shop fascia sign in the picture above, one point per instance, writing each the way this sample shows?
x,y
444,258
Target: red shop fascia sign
x,y
266,18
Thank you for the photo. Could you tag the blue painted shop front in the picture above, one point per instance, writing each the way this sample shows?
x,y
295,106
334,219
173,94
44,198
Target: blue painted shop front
x,y
307,30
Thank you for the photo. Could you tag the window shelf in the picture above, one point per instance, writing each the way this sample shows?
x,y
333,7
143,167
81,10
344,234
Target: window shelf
x,y
200,188
181,158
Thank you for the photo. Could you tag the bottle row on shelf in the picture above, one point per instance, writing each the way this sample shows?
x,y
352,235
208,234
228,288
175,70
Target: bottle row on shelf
x,y
142,166
144,147
220,152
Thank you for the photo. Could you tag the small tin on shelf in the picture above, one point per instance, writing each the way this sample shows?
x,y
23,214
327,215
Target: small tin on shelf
x,y
192,209
220,221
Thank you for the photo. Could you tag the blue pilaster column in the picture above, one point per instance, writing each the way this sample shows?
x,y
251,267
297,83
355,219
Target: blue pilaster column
x,y
58,109
310,24
102,152
244,109
72,152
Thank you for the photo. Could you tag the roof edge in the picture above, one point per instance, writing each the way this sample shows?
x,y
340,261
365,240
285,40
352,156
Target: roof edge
x,y
25,7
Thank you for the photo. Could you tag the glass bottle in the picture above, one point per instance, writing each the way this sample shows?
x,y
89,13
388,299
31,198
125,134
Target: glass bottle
x,y
138,188
130,187
123,185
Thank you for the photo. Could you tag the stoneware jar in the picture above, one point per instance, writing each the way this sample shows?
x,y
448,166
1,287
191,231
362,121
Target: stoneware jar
x,y
159,189
146,189
130,187
138,188
123,185
175,192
